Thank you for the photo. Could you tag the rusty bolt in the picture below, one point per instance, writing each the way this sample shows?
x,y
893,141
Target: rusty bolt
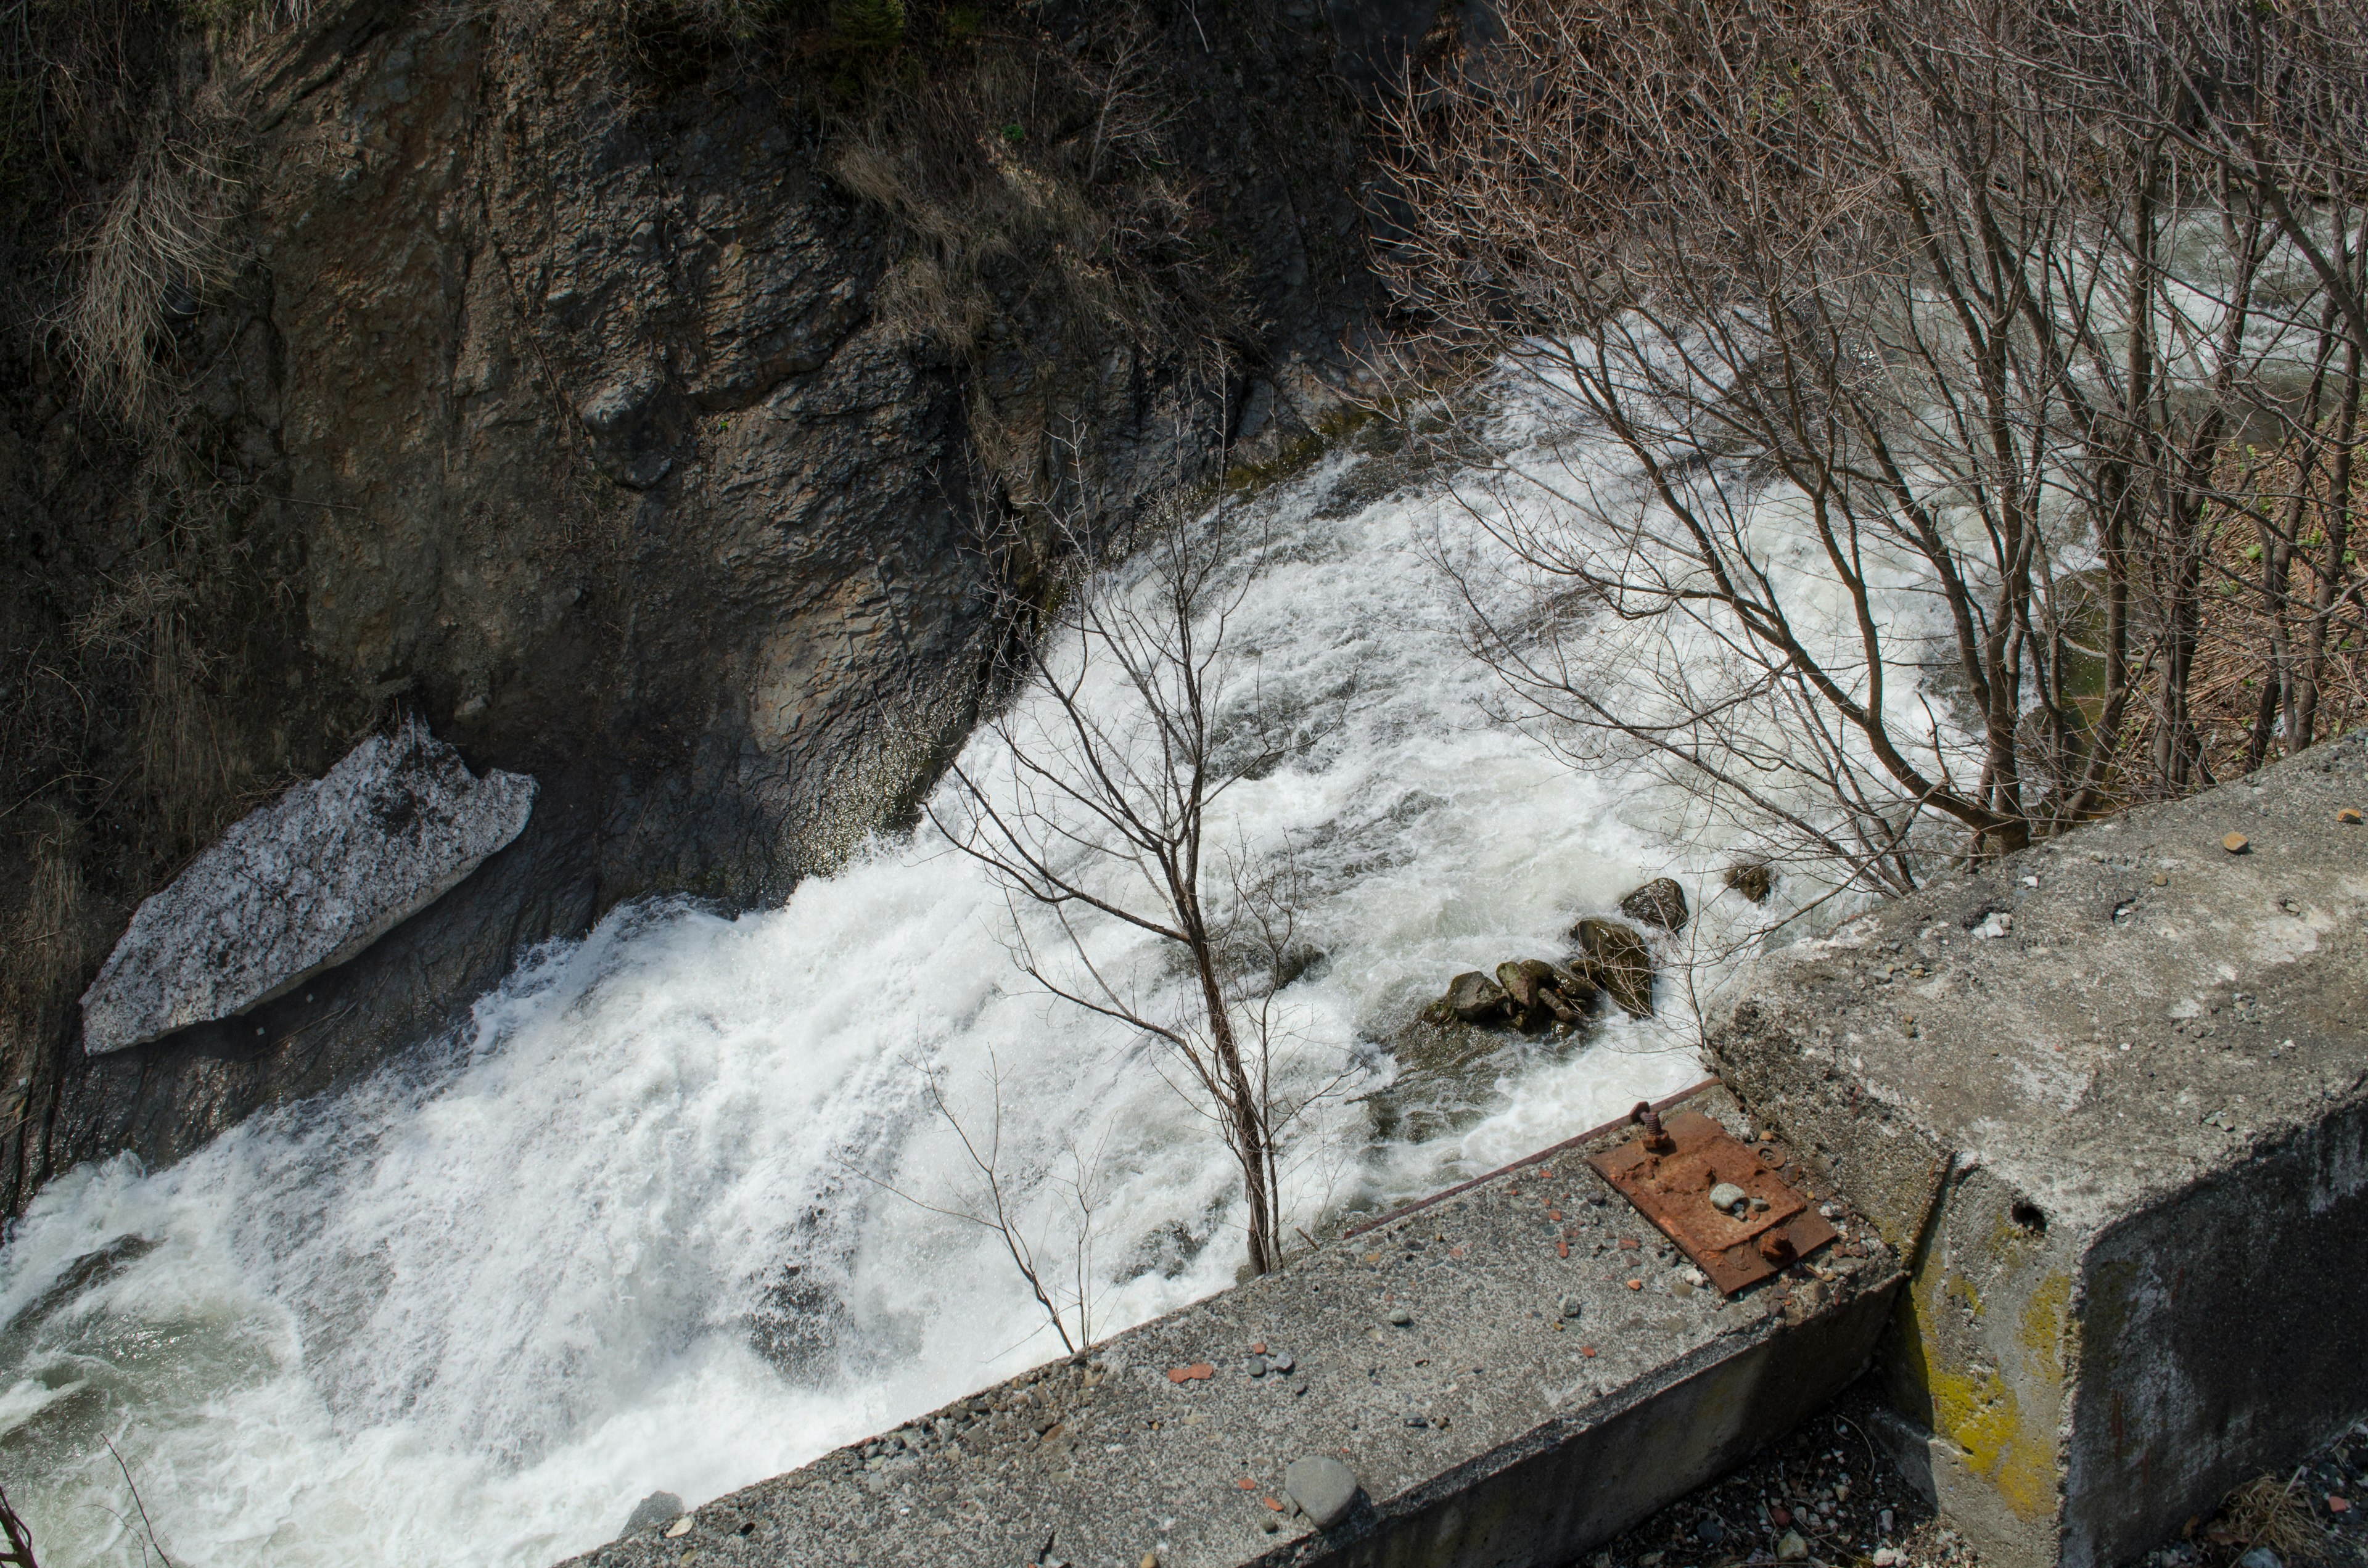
x,y
1776,1247
1657,1142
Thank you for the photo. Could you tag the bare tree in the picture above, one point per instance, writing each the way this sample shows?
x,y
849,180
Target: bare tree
x,y
1130,720
18,1534
1057,1269
1928,378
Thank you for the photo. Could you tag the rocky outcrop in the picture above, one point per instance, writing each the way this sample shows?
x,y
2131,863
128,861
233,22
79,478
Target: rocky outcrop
x,y
302,885
578,391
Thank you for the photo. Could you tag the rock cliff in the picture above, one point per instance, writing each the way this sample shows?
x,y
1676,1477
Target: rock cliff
x,y
618,387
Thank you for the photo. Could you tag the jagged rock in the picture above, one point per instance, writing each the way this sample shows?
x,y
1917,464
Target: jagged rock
x,y
1616,959
1660,901
653,1511
303,884
1755,879
1475,998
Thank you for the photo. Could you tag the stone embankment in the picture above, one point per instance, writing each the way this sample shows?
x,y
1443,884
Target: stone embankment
x,y
2091,1125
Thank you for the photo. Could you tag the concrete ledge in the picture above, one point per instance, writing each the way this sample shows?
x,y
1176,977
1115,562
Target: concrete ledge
x,y
2107,1095
1551,1387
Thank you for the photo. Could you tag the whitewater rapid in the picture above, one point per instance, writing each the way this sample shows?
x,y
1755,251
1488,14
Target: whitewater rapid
x,y
657,1218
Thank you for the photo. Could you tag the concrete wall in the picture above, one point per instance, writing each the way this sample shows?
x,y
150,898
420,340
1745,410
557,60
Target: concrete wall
x,y
2122,1139
1548,1387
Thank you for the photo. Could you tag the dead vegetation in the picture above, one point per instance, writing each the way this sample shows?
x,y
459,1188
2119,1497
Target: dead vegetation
x,y
2033,341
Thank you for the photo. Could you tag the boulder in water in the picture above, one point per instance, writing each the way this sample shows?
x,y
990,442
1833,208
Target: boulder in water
x,y
1660,901
653,1511
1755,879
1616,959
303,884
1475,998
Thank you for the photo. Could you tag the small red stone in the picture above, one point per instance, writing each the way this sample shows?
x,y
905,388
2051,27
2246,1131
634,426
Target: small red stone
x,y
1555,1215
1635,1284
1587,1351
1272,1504
1455,1252
1259,1349
1779,1515
1629,1243
1247,1484
2338,1505
1562,1249
1199,1372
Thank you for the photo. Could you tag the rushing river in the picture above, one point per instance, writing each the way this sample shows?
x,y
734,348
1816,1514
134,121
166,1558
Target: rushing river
x,y
664,1214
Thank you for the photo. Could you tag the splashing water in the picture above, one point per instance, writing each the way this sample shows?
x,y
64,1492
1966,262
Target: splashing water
x,y
650,1220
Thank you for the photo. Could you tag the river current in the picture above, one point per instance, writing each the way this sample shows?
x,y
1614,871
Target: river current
x,y
666,1213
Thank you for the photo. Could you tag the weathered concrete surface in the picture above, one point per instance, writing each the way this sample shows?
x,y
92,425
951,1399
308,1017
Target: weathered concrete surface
x,y
2125,1144
1534,1404
302,885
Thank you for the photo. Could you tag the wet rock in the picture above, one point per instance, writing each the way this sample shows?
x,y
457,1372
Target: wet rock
x,y
653,1511
1323,1488
301,885
1616,959
1755,879
1475,998
1660,901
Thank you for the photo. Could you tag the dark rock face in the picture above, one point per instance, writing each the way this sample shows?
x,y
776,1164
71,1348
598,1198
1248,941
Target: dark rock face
x,y
556,403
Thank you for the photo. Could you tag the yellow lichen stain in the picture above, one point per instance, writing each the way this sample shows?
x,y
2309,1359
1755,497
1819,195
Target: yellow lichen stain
x,y
2042,1325
1974,1407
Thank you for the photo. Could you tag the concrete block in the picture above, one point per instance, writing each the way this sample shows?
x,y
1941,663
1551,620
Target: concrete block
x,y
1549,1387
2107,1095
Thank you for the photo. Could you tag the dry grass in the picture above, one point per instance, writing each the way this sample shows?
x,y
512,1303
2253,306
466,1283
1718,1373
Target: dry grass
x,y
156,253
2267,1511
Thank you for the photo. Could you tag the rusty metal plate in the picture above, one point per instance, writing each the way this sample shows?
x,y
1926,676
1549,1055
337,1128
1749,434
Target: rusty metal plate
x,y
1668,1172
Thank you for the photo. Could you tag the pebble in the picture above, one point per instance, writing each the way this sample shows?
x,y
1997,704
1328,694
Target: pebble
x,y
1322,1486
2349,816
1255,1366
1790,1548
1727,1197
1570,1306
1712,1530
1150,1560
682,1527
2235,844
2259,1557
1885,1557
1279,1363
1400,1316
2162,879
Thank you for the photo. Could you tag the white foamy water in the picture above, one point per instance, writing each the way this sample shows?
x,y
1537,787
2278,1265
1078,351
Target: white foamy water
x,y
634,1228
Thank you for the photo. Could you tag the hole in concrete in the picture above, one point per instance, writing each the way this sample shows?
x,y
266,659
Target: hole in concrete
x,y
2029,1216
